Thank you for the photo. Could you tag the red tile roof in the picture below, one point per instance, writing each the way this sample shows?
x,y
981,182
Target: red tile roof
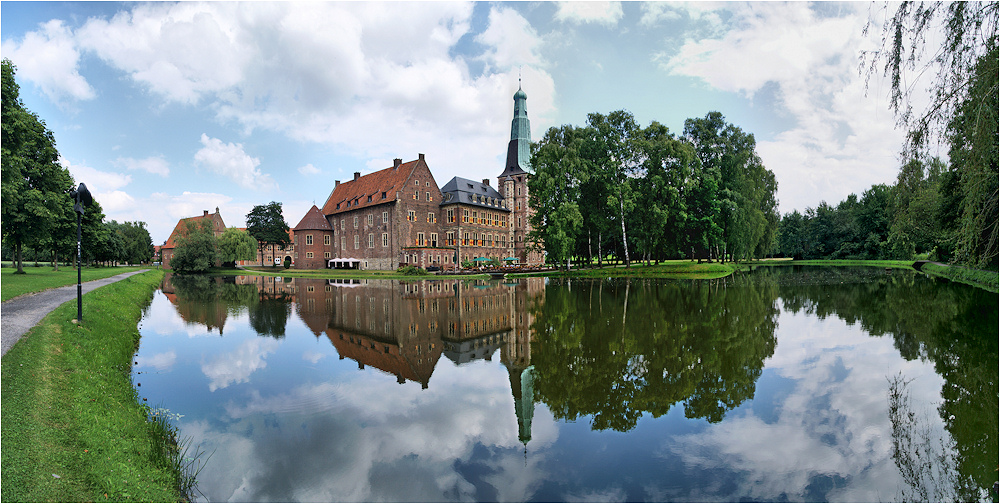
x,y
354,194
314,219
181,228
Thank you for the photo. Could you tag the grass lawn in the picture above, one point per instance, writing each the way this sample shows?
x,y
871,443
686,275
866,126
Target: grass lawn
x,y
74,427
43,278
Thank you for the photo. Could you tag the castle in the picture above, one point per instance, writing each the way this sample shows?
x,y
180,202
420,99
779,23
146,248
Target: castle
x,y
399,216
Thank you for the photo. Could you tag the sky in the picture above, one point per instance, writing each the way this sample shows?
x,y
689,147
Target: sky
x,y
167,109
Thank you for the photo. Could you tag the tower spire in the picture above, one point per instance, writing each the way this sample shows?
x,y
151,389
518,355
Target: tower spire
x,y
519,148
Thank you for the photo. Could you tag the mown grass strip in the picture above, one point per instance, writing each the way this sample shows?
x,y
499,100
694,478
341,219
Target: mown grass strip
x,y
988,280
44,278
74,427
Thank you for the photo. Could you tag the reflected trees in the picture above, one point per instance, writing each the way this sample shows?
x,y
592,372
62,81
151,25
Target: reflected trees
x,y
618,349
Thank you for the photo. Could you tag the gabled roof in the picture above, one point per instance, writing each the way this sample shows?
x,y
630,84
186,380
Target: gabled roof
x,y
470,192
314,219
181,228
354,194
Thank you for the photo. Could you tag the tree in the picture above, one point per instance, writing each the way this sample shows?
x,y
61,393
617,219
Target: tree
x,y
963,108
615,155
197,249
266,224
33,180
554,191
236,245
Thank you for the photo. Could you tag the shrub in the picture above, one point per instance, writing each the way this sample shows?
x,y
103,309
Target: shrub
x,y
411,270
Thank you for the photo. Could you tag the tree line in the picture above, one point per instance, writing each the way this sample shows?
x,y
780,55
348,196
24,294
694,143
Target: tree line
x,y
612,187
37,211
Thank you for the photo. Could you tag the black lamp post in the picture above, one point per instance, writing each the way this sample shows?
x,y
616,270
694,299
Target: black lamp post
x,y
83,198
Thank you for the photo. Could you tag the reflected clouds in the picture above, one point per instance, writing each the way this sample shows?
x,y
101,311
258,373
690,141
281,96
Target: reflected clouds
x,y
832,426
237,366
368,438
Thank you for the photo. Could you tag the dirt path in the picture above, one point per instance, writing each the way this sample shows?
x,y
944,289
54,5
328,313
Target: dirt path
x,y
20,314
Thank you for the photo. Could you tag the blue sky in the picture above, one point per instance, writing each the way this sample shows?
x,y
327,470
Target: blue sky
x,y
168,109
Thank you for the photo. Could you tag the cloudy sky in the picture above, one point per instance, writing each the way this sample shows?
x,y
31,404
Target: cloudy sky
x,y
165,110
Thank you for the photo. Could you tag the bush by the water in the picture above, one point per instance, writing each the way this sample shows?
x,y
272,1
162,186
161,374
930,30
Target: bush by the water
x,y
411,270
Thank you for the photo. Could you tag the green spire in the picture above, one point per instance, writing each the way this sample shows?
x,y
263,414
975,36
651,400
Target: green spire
x,y
519,148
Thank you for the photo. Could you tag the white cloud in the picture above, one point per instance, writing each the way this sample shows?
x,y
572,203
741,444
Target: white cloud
x,y
163,361
97,181
511,40
157,164
842,141
50,59
309,169
116,203
230,160
706,13
606,13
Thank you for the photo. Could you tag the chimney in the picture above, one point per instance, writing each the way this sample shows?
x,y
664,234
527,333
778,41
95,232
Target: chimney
x,y
396,162
357,175
486,182
420,157
336,183
204,213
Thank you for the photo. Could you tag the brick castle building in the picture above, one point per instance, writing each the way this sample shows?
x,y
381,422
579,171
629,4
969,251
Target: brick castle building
x,y
400,216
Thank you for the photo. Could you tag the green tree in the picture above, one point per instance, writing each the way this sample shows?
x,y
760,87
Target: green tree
x,y
266,224
555,190
963,108
34,183
197,249
614,154
236,245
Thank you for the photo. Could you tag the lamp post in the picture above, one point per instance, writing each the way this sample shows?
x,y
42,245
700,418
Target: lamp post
x,y
83,198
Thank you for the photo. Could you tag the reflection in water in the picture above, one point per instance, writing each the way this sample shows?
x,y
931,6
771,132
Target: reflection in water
x,y
805,421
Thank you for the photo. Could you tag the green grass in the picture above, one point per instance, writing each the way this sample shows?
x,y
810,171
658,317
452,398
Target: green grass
x,y
74,427
977,278
681,269
44,278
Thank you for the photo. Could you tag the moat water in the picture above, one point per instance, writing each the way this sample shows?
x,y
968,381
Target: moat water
x,y
782,384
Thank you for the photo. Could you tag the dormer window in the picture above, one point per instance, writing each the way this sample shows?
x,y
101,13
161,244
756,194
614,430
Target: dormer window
x,y
383,194
369,199
338,206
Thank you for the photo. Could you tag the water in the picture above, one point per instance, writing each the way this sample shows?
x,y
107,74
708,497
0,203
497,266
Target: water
x,y
804,384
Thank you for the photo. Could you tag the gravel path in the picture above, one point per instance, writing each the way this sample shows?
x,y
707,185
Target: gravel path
x,y
20,314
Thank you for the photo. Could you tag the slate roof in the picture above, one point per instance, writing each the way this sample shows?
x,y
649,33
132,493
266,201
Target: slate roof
x,y
354,194
470,192
314,219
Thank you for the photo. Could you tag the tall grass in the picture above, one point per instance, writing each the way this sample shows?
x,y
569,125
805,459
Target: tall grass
x,y
74,427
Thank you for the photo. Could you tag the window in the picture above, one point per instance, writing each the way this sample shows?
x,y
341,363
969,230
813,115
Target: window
x,y
430,217
338,206
355,222
371,240
465,239
465,216
450,238
383,194
357,241
385,217
309,255
429,196
343,243
416,182
420,239
326,239
326,255
369,199
517,192
416,194
475,217
411,215
342,227
370,220
309,239
385,240
451,215
428,184
434,239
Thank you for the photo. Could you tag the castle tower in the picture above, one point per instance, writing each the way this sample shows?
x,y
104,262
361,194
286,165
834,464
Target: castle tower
x,y
513,182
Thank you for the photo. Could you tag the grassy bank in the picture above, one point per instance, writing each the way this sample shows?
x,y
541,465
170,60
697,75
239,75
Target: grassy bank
x,y
977,278
43,278
74,428
681,269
